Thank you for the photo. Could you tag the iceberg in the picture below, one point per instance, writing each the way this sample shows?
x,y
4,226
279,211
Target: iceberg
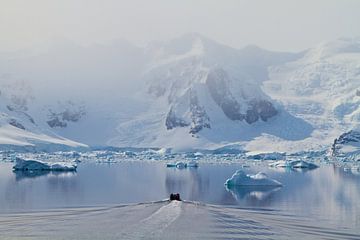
x,y
293,164
31,165
260,179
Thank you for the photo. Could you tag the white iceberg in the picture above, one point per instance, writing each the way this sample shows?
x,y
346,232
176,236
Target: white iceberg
x,y
31,165
260,179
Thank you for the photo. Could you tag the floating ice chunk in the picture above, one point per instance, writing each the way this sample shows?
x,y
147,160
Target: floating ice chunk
x,y
303,164
260,179
181,165
281,163
293,164
30,165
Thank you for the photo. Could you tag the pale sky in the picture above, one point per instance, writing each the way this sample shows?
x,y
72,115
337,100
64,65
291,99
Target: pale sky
x,y
286,25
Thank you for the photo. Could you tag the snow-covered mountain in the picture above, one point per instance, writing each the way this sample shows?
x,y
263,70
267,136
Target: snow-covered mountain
x,y
74,92
322,88
204,94
19,130
190,92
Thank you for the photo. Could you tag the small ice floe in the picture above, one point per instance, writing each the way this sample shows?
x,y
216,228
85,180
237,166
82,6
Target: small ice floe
x,y
303,164
293,164
32,165
281,164
182,165
179,165
260,179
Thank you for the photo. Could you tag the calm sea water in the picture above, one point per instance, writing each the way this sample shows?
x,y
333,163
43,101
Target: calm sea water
x,y
327,193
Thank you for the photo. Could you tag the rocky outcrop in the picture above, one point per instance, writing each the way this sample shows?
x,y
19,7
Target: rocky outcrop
x,y
172,121
250,109
199,117
71,113
260,109
16,124
218,86
347,145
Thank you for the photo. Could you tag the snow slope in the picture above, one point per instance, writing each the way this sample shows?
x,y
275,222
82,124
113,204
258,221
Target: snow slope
x,y
322,88
19,130
206,95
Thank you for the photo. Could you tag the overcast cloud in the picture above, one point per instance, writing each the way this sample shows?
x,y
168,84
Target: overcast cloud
x,y
273,24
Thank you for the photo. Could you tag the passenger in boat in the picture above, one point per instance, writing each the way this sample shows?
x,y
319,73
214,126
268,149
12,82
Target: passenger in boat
x,y
175,197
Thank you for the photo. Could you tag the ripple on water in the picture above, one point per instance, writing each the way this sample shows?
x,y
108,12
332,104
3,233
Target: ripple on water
x,y
166,220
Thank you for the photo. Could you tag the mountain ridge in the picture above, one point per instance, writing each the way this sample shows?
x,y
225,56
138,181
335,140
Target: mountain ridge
x,y
190,92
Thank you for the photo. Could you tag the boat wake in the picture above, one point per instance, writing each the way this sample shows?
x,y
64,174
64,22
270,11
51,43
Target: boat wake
x,y
166,220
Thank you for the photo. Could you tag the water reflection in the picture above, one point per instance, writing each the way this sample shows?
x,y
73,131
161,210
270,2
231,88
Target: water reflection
x,y
189,182
21,175
253,194
327,192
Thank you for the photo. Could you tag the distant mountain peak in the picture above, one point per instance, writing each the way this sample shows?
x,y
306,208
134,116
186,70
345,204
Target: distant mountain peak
x,y
334,47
